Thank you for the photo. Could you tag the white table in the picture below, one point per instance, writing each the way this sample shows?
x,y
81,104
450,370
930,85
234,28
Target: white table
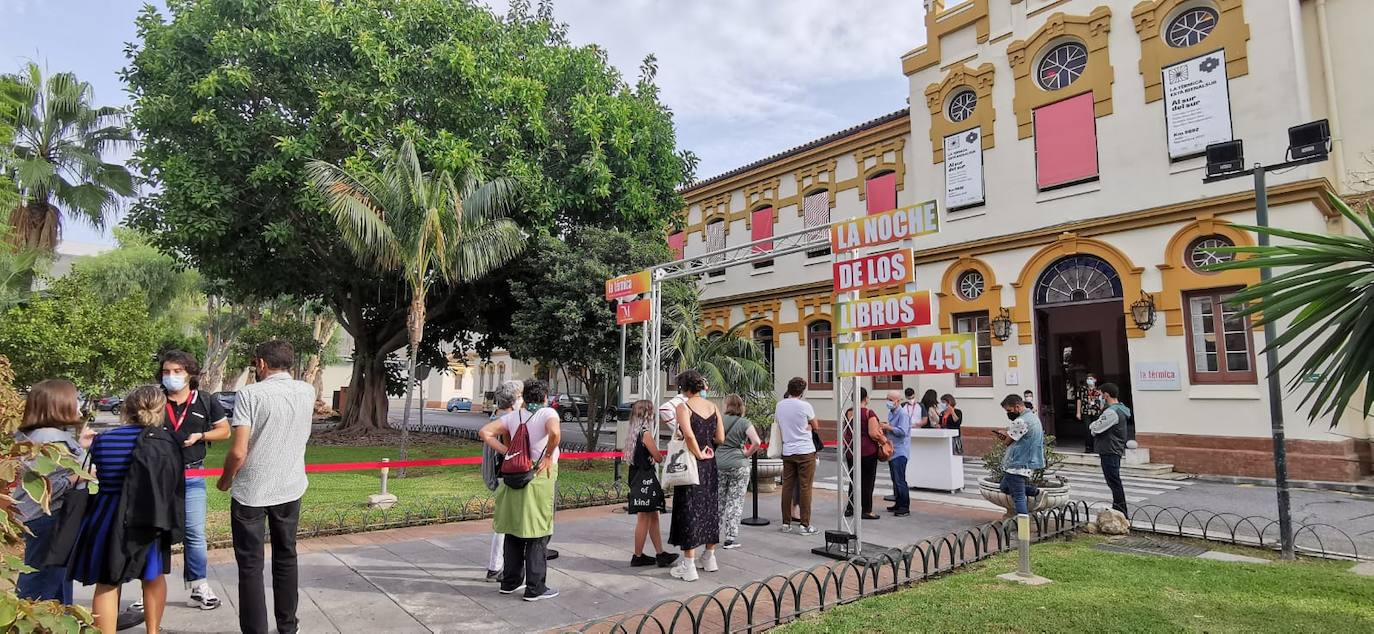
x,y
932,464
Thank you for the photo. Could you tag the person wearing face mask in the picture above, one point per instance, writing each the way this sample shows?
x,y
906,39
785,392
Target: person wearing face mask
x,y
196,420
1090,405
952,418
898,432
1025,453
1029,399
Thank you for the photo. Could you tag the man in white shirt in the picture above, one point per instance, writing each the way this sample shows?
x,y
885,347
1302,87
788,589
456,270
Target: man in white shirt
x,y
796,419
264,472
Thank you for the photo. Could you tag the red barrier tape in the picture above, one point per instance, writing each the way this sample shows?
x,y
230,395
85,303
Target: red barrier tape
x,y
432,462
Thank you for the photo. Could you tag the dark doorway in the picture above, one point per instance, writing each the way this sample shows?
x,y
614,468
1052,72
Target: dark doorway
x,y
1080,329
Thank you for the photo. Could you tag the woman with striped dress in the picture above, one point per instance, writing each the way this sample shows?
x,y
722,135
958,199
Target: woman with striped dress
x,y
132,521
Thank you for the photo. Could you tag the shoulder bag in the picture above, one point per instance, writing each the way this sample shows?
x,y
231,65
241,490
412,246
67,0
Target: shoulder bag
x,y
680,469
69,517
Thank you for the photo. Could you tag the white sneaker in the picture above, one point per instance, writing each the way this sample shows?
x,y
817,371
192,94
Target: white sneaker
x,y
708,561
786,528
808,530
203,597
686,570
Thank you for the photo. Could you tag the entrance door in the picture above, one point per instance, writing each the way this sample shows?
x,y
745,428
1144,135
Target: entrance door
x,y
1079,331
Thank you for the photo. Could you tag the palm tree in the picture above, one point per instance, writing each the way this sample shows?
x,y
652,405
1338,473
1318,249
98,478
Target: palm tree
x,y
1327,289
427,226
731,361
18,266
59,138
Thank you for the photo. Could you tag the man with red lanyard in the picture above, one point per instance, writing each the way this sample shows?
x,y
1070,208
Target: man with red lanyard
x,y
197,419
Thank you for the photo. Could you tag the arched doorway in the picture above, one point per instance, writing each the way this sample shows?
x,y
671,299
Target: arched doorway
x,y
1080,329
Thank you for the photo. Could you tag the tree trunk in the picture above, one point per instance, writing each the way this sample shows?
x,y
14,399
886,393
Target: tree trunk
x,y
591,427
218,341
365,404
35,226
324,329
415,326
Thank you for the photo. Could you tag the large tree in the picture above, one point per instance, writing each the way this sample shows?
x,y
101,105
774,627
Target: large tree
x,y
232,98
562,319
60,138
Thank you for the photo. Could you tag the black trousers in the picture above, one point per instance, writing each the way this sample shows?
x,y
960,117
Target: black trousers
x,y
246,524
867,481
1111,472
525,561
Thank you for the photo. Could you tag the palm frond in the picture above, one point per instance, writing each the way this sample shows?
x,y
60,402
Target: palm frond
x,y
357,213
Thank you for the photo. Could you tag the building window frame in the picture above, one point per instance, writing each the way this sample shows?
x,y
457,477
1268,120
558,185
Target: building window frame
x,y
721,223
893,381
979,323
764,337
820,355
1222,375
819,234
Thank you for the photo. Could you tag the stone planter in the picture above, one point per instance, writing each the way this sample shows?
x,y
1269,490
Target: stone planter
x,y
769,471
1054,495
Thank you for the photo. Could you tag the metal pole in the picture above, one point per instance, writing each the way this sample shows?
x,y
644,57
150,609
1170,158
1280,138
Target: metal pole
x,y
754,520
1271,360
620,396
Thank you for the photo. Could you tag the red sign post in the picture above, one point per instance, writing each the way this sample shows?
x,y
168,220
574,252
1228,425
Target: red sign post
x,y
635,312
627,286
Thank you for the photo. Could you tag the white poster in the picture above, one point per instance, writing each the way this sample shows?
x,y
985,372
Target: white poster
x,y
1197,104
1158,376
964,169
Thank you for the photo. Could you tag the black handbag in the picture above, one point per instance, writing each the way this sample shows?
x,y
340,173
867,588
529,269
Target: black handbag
x,y
68,526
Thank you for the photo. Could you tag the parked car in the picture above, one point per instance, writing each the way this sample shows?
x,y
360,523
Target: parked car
x,y
227,400
569,405
109,404
459,404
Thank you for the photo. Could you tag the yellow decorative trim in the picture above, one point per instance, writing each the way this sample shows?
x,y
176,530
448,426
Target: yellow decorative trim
x,y
1231,34
1179,278
815,177
951,303
941,22
873,160
938,95
716,319
1071,244
761,194
765,313
1097,77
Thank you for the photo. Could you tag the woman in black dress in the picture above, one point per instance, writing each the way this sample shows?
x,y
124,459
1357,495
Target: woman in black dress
x,y
696,512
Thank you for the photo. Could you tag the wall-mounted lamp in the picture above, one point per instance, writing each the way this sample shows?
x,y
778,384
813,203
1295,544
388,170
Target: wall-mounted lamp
x,y
1143,311
1001,325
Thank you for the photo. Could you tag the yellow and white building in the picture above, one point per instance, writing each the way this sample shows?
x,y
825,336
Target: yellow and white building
x,y
1065,196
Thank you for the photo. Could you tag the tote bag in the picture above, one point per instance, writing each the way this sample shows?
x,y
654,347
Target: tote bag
x,y
68,526
775,441
680,469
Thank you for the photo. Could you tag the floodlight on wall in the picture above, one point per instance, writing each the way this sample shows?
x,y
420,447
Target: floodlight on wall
x,y
1309,140
1001,325
1225,158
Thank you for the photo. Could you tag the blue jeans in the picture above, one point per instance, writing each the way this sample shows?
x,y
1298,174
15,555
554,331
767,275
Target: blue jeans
x,y
1019,488
897,469
47,584
193,547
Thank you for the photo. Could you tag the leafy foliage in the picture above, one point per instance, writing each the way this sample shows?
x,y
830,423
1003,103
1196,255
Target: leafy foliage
x,y
135,266
731,361
284,325
561,317
1326,291
59,140
18,268
26,464
992,462
68,332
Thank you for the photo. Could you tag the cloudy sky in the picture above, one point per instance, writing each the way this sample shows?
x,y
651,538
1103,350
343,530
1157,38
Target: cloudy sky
x,y
745,78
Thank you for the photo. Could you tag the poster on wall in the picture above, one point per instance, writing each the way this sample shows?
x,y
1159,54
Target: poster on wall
x,y
964,169
1197,104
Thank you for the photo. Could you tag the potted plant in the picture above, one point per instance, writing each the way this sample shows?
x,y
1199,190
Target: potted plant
x,y
758,408
1054,489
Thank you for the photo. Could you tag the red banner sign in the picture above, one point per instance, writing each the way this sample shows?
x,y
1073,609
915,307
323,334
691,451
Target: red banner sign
x,y
940,354
627,285
900,310
882,228
875,271
638,311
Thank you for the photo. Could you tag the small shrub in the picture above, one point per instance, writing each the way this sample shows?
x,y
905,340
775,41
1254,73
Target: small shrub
x,y
992,461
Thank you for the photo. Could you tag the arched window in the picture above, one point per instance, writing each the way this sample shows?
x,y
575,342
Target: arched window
x,y
1077,279
763,336
715,241
458,374
820,351
816,213
500,373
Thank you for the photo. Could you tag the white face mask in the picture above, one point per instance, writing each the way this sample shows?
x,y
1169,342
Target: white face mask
x,y
1092,383
174,382
943,406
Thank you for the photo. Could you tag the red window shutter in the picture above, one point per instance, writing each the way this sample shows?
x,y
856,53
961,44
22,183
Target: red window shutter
x,y
881,193
1065,142
675,244
762,227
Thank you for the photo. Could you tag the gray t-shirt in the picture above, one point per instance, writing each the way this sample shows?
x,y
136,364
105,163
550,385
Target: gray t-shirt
x,y
730,454
279,410
792,416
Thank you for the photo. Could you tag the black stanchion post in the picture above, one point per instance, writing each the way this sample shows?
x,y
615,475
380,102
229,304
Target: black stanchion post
x,y
617,468
754,486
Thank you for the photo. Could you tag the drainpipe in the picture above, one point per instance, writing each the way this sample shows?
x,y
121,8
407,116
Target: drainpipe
x,y
1332,108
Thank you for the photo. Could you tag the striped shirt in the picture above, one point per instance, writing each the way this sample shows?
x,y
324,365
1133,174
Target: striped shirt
x,y
279,410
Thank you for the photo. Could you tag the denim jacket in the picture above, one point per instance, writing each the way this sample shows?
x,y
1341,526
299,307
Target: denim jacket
x,y
1028,451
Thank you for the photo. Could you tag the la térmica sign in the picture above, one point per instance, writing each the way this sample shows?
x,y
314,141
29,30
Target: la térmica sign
x,y
939,354
1197,104
1157,376
964,169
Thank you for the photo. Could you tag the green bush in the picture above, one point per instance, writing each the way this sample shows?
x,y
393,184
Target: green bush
x,y
992,461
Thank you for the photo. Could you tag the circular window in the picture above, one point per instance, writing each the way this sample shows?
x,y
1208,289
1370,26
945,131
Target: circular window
x,y
1191,27
970,285
961,107
1062,66
1200,252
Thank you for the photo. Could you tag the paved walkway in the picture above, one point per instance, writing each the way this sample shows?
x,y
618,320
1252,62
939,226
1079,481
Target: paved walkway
x,y
430,579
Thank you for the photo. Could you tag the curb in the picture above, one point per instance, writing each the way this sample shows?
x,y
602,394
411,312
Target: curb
x,y
1320,485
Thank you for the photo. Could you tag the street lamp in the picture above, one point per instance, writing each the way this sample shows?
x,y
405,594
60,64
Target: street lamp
x,y
1307,143
1143,311
1001,325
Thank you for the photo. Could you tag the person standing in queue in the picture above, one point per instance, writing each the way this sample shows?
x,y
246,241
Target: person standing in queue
x,y
1109,439
696,509
1025,454
870,430
506,399
732,462
646,499
796,420
264,472
51,415
197,420
898,432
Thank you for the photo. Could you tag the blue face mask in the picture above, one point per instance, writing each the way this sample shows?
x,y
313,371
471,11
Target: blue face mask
x,y
891,406
174,382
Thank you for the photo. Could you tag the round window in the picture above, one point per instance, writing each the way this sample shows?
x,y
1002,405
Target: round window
x,y
961,107
1201,254
970,285
1191,27
1062,66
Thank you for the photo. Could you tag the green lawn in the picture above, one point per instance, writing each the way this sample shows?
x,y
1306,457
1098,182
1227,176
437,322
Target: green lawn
x,y
424,490
1095,591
